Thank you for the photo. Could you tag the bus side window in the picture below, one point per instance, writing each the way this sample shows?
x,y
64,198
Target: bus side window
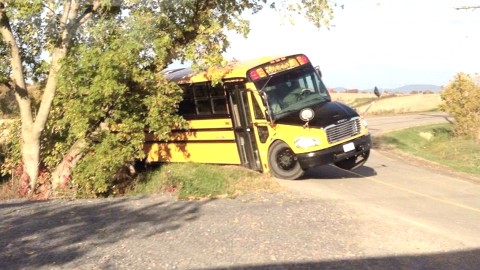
x,y
202,98
187,105
219,99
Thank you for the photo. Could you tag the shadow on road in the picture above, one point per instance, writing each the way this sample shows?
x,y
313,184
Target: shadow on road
x,y
36,234
469,259
329,172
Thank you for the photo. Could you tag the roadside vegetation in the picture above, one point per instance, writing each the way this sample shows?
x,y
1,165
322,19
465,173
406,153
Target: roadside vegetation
x,y
185,181
461,100
435,143
194,181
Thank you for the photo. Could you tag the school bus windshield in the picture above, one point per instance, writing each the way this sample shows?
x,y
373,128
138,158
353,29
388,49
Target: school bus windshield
x,y
294,90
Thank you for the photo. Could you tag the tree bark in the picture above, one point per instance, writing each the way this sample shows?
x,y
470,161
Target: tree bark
x,y
30,135
63,171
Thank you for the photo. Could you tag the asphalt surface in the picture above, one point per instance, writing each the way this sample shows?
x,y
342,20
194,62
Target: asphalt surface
x,y
390,214
380,124
261,231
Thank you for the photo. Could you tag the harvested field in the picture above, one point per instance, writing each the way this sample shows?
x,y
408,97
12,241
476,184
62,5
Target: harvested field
x,y
390,104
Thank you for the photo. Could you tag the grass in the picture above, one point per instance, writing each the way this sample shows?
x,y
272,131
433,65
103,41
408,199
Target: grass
x,y
194,181
435,143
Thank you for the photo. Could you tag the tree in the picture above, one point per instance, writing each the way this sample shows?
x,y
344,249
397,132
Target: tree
x,y
461,99
98,63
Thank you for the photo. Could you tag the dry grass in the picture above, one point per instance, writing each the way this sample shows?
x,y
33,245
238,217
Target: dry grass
x,y
251,181
351,98
9,189
390,104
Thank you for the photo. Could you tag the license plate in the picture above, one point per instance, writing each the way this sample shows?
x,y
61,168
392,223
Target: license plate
x,y
348,147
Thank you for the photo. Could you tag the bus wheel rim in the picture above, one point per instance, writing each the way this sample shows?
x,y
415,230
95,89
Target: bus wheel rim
x,y
286,159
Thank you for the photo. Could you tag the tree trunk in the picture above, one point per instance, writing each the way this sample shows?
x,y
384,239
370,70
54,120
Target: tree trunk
x,y
63,171
31,131
30,136
32,128
31,157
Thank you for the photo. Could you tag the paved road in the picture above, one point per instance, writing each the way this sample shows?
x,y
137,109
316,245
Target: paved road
x,y
405,193
380,124
390,214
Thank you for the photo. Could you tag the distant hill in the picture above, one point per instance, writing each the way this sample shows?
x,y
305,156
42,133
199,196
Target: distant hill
x,y
417,87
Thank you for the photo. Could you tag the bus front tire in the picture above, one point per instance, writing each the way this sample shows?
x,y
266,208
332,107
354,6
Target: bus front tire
x,y
283,162
353,162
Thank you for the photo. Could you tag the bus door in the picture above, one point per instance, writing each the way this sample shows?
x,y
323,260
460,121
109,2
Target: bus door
x,y
242,126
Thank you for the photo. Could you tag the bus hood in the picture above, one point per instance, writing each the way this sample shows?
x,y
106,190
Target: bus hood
x,y
325,114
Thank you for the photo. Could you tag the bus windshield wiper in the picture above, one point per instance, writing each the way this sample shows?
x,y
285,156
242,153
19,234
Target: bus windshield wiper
x,y
265,85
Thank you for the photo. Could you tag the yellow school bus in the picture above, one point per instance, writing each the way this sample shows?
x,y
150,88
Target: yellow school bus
x,y
271,114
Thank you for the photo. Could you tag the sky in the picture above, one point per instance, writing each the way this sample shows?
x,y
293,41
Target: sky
x,y
388,43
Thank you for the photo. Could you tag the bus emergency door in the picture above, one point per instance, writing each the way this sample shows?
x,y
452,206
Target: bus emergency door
x,y
242,126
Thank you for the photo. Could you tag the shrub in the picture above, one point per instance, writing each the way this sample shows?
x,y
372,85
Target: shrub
x,y
461,99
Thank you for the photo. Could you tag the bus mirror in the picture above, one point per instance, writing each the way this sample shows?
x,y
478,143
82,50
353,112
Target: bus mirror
x,y
319,72
268,111
262,94
268,116
376,92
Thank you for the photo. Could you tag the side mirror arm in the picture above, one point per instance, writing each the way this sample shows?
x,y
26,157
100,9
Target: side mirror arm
x,y
319,72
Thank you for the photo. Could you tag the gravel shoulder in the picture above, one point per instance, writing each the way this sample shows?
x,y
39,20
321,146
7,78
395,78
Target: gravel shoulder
x,y
285,230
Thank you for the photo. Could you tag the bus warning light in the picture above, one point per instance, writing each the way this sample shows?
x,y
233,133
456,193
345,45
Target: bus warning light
x,y
302,59
257,74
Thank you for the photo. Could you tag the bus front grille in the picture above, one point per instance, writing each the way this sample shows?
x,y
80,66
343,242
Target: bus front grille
x,y
343,130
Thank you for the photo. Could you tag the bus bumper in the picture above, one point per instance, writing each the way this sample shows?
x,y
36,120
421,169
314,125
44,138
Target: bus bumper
x,y
334,153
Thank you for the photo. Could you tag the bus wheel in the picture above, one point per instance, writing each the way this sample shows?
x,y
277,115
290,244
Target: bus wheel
x,y
283,162
353,162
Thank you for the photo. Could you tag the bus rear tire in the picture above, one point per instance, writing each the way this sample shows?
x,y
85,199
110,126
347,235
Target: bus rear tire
x,y
353,162
283,162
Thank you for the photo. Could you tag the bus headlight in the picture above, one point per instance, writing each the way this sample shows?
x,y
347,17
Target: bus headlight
x,y
303,142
